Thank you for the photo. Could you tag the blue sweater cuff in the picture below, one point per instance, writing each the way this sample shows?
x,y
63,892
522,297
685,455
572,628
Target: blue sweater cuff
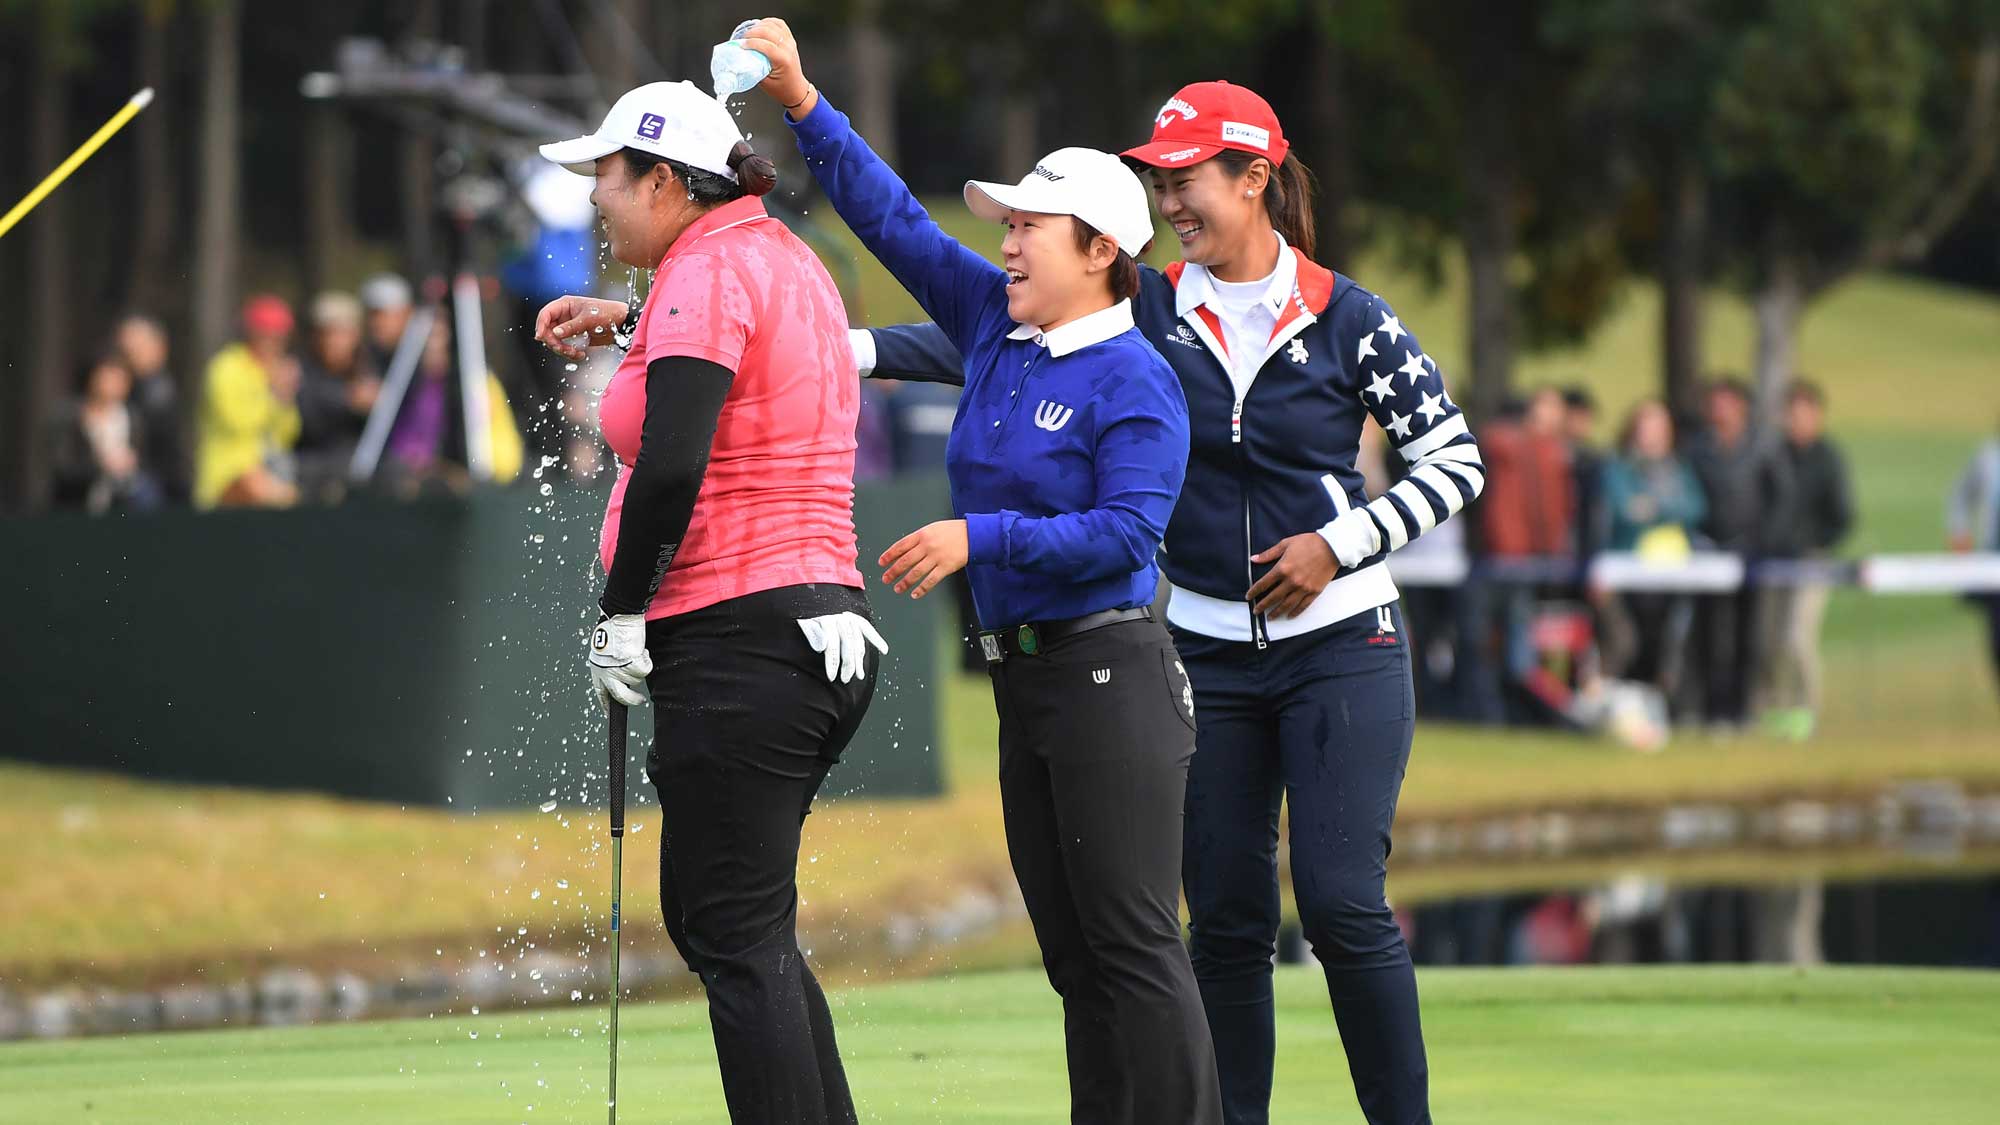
x,y
822,123
986,539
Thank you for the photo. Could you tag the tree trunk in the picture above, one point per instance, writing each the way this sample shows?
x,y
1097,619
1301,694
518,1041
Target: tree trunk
x,y
328,191
872,60
1327,134
48,263
1778,304
1685,232
153,246
1020,134
219,211
1490,237
418,160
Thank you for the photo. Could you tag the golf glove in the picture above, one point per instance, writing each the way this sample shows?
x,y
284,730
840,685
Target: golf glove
x,y
619,662
844,638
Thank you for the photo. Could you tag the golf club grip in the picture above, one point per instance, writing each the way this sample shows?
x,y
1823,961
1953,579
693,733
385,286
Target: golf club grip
x,y
618,724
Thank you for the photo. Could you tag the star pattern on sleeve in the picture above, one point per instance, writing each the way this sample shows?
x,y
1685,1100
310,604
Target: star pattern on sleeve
x,y
1425,427
1432,408
1409,407
1390,325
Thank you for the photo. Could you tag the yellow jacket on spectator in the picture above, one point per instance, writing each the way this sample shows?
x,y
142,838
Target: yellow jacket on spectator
x,y
242,422
507,447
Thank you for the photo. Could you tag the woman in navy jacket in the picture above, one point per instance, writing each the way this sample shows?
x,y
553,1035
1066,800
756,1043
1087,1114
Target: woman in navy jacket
x,y
1281,608
1065,459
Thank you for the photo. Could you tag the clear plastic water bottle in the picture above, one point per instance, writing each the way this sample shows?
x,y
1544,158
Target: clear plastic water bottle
x,y
734,68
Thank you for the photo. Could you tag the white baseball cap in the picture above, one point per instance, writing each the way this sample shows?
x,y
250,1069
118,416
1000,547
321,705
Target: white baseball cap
x,y
671,119
1094,186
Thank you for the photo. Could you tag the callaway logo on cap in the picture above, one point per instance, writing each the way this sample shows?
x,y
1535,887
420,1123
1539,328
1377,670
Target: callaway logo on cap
x,y
671,119
1207,117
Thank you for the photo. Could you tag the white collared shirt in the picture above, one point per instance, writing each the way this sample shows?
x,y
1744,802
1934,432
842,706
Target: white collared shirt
x,y
1082,332
1248,310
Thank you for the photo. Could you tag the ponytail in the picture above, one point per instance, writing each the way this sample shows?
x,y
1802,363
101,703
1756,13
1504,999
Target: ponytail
x,y
754,171
1288,199
755,174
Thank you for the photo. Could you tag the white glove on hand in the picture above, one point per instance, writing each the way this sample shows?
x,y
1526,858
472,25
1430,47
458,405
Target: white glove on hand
x,y
619,662
843,637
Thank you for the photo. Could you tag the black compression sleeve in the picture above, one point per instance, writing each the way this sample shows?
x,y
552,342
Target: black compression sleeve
x,y
683,402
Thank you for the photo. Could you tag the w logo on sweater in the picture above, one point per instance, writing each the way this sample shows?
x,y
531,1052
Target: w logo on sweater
x,y
1052,416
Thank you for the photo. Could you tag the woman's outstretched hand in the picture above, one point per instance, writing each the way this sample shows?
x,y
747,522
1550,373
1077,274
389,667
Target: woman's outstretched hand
x,y
571,316
787,84
926,557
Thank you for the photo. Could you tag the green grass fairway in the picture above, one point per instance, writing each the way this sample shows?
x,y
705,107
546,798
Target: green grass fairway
x,y
1715,1046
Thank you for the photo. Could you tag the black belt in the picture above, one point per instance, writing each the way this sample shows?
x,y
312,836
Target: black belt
x,y
1035,637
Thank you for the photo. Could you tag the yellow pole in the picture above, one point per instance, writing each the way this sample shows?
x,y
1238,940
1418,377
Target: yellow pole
x,y
139,101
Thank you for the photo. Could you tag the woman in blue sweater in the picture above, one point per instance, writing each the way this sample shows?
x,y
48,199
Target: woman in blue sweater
x,y
1065,459
1280,604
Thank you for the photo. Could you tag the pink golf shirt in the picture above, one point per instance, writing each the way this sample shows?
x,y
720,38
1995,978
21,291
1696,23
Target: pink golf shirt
x,y
777,505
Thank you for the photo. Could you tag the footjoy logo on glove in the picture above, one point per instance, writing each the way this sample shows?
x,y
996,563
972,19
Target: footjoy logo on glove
x,y
1052,416
602,639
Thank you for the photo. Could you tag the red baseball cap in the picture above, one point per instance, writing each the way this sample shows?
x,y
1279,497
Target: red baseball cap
x,y
267,315
1207,117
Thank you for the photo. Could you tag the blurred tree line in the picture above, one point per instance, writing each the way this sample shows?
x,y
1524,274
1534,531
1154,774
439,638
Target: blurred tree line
x,y
1558,149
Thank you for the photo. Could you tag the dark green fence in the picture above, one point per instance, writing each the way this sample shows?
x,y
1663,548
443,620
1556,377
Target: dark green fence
x,y
428,652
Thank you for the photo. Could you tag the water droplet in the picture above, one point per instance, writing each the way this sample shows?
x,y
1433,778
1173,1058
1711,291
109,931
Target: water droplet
x,y
548,806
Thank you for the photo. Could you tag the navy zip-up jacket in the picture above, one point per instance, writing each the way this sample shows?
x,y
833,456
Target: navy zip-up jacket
x,y
1068,449
1280,460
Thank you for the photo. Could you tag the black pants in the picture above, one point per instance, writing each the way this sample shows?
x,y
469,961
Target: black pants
x,y
1728,628
1324,722
745,729
1095,738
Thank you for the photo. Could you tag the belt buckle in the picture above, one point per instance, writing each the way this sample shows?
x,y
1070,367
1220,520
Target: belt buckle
x,y
989,647
1026,638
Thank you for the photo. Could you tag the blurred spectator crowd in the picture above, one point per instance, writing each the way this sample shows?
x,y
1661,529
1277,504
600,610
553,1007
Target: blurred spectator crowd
x,y
1529,638
276,419
1525,638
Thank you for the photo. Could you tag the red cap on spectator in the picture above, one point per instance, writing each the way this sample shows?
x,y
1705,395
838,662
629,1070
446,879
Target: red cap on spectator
x,y
1207,117
267,315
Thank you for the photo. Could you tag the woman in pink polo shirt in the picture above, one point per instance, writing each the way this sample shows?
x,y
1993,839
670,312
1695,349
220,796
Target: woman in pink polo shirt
x,y
731,592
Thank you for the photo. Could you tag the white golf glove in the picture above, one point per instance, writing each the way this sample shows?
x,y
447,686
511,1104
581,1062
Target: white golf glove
x,y
844,638
619,662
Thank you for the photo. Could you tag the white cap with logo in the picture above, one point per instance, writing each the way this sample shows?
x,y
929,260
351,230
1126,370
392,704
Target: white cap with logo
x,y
671,119
1094,186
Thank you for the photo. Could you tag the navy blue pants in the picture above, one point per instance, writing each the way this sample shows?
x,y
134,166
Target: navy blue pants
x,y
1322,722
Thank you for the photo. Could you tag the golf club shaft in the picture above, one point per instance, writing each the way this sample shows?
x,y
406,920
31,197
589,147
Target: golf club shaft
x,y
83,152
618,726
